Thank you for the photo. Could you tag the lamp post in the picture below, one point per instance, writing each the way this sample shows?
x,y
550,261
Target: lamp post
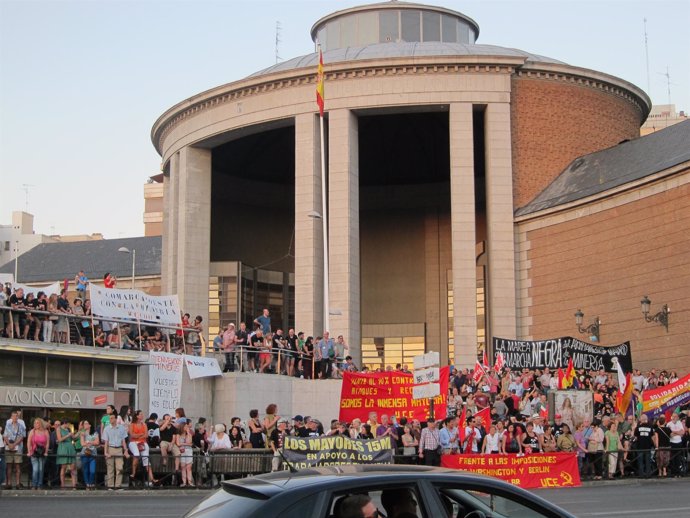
x,y
592,329
125,250
661,317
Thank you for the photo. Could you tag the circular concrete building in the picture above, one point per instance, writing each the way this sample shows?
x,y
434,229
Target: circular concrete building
x,y
434,143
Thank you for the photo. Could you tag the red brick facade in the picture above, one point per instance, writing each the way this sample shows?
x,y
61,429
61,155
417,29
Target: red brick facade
x,y
604,263
554,122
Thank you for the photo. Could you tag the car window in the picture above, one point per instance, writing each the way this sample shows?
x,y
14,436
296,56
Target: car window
x,y
471,503
390,500
300,509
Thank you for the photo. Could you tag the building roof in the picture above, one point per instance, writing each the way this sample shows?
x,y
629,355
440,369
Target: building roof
x,y
626,162
50,262
403,49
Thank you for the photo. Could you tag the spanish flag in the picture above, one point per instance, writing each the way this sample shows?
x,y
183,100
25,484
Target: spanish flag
x,y
569,374
319,84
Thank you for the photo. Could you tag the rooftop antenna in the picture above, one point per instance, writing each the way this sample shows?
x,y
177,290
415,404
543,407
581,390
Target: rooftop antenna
x,y
278,40
667,75
25,188
646,51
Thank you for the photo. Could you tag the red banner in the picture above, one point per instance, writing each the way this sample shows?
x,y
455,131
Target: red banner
x,y
388,393
527,471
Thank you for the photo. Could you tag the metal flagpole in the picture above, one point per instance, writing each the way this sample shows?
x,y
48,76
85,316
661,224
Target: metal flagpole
x,y
324,200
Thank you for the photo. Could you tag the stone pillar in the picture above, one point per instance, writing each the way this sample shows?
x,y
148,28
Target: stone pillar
x,y
170,218
463,234
343,223
194,231
308,233
499,214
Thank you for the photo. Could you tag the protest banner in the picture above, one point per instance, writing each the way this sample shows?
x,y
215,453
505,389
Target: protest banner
x,y
51,289
135,305
336,450
658,401
555,353
201,367
558,469
165,382
387,393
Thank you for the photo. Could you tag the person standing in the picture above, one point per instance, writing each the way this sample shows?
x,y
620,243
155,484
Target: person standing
x,y
115,451
276,439
429,444
677,428
37,448
264,321
15,432
89,444
327,348
139,448
644,442
81,281
229,341
241,341
66,453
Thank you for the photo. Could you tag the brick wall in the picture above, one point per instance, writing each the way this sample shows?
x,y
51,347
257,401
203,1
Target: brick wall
x,y
553,122
604,263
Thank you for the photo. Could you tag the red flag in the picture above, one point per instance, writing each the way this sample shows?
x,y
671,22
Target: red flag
x,y
462,424
500,362
561,378
544,413
485,361
569,376
478,372
485,415
319,84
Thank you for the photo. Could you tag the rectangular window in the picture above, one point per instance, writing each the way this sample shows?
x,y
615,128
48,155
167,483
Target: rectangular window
x,y
34,371
127,374
103,375
449,29
58,373
410,23
11,369
80,373
431,26
388,26
7,246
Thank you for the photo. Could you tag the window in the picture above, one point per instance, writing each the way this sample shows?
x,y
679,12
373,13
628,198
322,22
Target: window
x,y
409,21
485,502
127,374
58,372
7,246
391,500
11,369
80,375
388,26
103,375
34,371
381,352
431,26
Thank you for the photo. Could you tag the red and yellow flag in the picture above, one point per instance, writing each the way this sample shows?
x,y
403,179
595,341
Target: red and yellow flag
x,y
569,374
319,84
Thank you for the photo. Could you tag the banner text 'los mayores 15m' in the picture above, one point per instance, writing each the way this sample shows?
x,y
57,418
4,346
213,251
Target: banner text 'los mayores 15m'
x,y
387,393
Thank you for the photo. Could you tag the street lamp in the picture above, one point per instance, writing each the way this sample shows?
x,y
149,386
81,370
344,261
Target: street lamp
x,y
592,329
661,317
125,250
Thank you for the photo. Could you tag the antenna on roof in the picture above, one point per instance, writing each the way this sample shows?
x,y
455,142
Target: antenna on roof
x,y
25,188
278,40
667,75
646,51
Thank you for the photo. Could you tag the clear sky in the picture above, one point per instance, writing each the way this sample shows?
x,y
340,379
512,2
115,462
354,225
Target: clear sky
x,y
82,82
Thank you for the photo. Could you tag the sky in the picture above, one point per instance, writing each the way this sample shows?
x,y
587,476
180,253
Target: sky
x,y
82,82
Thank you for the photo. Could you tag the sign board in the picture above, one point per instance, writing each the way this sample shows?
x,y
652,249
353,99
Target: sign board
x,y
428,390
429,359
430,375
201,367
165,382
336,450
28,397
135,305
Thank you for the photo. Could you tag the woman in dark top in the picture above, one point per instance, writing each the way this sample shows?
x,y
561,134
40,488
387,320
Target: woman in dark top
x,y
530,442
255,435
308,358
236,437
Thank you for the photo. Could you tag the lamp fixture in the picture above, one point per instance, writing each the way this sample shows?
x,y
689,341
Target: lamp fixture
x,y
661,317
592,329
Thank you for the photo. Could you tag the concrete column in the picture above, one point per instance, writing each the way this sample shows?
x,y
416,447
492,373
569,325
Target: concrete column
x,y
308,233
463,234
194,231
343,214
170,217
500,233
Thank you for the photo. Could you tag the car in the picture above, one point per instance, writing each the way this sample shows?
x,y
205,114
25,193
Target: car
x,y
428,492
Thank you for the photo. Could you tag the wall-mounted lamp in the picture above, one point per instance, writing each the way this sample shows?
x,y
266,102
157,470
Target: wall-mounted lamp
x,y
592,329
661,317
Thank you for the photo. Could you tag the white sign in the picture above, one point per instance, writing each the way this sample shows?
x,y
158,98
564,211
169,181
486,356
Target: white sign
x,y
48,290
55,398
200,367
426,360
430,390
135,305
165,382
426,375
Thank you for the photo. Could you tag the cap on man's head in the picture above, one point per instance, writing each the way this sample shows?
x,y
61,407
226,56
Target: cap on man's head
x,y
536,416
558,416
298,418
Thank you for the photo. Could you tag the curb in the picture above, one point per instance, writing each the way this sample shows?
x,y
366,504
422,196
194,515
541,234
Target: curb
x,y
80,493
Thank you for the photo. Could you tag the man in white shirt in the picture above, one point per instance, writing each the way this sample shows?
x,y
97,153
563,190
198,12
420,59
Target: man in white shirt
x,y
677,428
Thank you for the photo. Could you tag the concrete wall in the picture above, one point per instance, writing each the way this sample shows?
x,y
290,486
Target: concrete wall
x,y
237,393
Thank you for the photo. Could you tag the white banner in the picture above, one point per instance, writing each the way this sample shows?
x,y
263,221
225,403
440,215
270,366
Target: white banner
x,y
201,367
165,382
48,290
426,360
135,305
